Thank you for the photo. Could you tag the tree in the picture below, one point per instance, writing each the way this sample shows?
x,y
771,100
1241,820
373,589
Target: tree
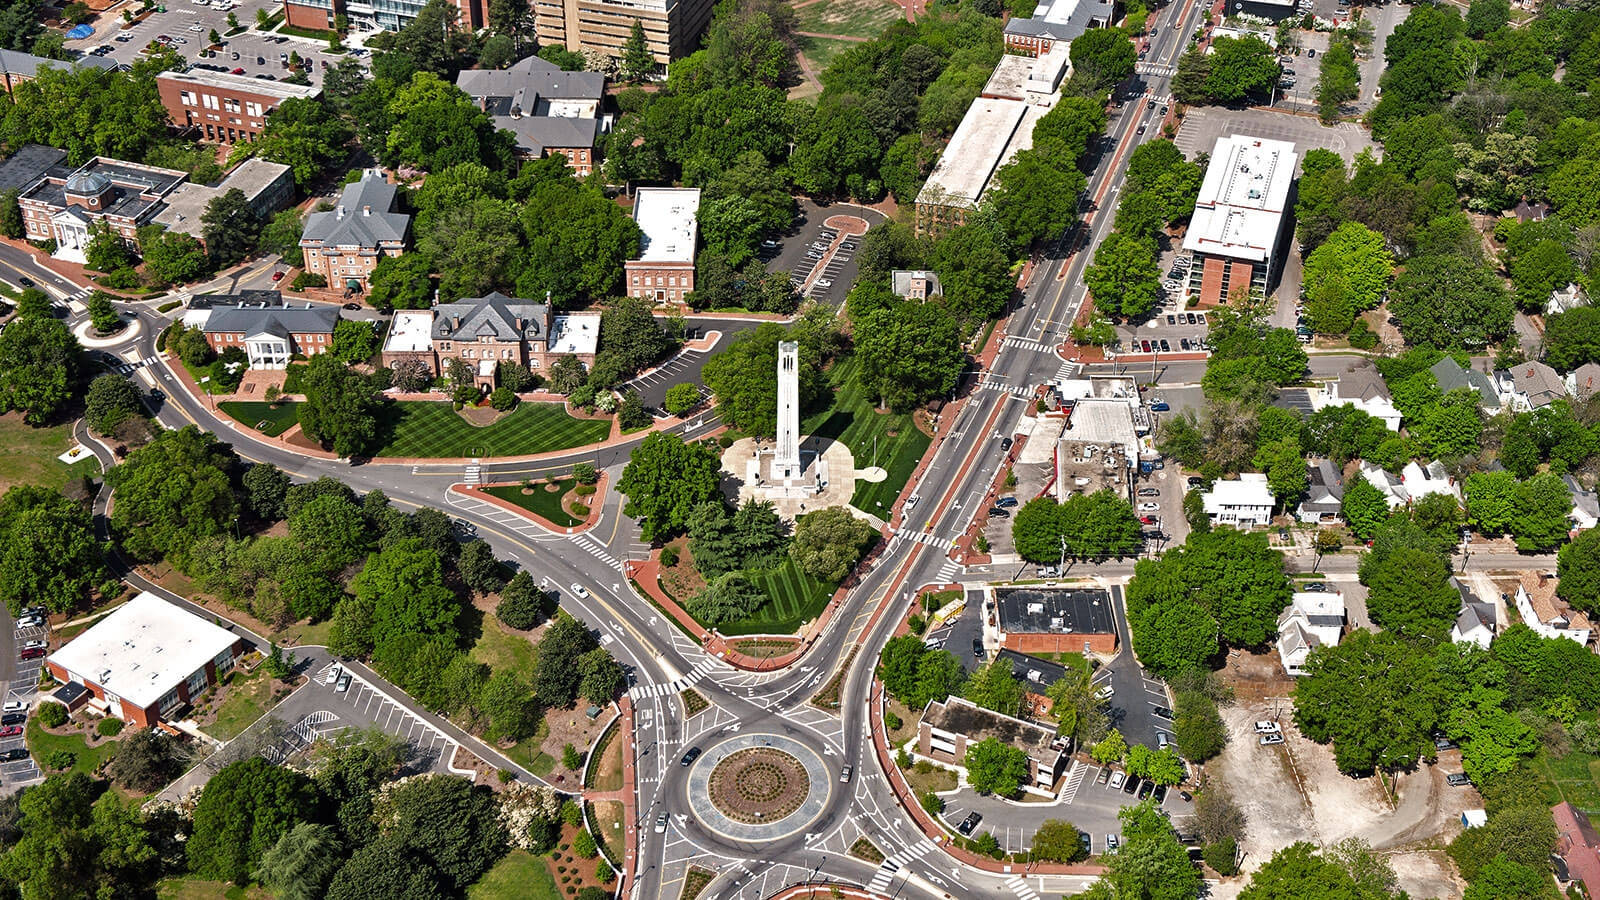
x,y
1491,502
1345,275
404,585
975,271
354,341
1198,727
1105,57
1448,301
733,596
1019,199
341,409
510,706
664,480
170,493
48,552
996,768
1376,697
10,214
556,676
385,869
602,678
245,809
445,820
1287,472
436,125
106,250
266,489
911,353
402,282
681,398
1240,66
994,687
1363,507
1056,841
1125,278
522,605
302,862
829,542
578,239
1298,871
111,400
479,568
638,62
1233,575
70,844
1578,571
1409,593
1502,879
41,364
1541,506
172,257
230,227
1151,863
744,378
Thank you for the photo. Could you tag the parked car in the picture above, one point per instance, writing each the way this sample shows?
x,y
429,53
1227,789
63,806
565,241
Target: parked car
x,y
1149,520
1086,841
1158,404
1164,712
1162,741
32,653
1146,788
352,306
977,648
1268,740
824,283
1149,507
10,731
1149,492
1265,727
1103,777
16,706
1131,786
1105,692
36,645
1172,320
14,754
1111,842
1160,795
1195,481
15,718
1117,778
1006,502
969,823
999,513
344,683
1005,444
690,757
1457,779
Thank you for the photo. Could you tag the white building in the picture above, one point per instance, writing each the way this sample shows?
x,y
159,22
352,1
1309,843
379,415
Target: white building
x,y
1565,299
1324,500
1239,219
1585,504
668,220
1245,501
1392,489
1546,613
1475,621
1420,481
1529,385
1363,388
1311,620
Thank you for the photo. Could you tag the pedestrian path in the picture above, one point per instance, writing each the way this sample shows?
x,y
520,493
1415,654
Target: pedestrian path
x,y
1075,776
79,294
473,473
1016,390
1150,68
1022,343
920,537
948,571
1068,369
661,689
891,866
1019,886
128,367
596,549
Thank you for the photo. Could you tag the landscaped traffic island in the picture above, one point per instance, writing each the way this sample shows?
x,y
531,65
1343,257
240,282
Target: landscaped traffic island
x,y
759,785
419,429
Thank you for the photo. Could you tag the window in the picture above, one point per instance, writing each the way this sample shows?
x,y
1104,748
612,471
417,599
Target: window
x,y
197,682
468,353
322,338
224,660
209,101
253,108
230,105
187,98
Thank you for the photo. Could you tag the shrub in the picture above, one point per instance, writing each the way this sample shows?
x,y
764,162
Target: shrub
x,y
917,624
579,510
584,846
585,473
669,556
109,726
603,872
584,490
505,775
58,759
52,714
1222,856
892,721
307,279
988,845
932,803
1362,337
903,759
571,757
502,398
571,814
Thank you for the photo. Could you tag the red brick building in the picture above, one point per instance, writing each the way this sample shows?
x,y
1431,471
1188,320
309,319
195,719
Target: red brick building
x,y
550,111
668,220
344,244
484,332
147,660
269,332
1053,620
17,67
222,107
391,15
63,204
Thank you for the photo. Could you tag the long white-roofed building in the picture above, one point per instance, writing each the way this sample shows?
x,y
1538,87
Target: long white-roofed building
x,y
1240,219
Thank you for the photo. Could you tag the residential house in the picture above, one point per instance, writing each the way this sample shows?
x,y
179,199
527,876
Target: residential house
x,y
1585,504
1584,381
147,660
668,220
1324,496
62,204
548,109
1245,501
1475,621
1547,614
1529,385
1035,675
1311,620
1390,486
1530,212
484,332
1449,375
1363,387
1565,300
948,727
344,244
270,333
1577,854
919,284
1420,481
1053,620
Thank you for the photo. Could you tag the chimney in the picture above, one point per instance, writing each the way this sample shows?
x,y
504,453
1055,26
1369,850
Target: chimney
x,y
338,212
521,324
366,210
457,323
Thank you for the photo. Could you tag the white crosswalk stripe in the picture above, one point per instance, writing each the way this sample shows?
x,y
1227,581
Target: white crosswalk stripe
x,y
661,689
948,571
1019,886
473,474
1150,68
886,873
79,294
1026,344
597,550
921,537
126,368
1075,777
1068,369
1016,390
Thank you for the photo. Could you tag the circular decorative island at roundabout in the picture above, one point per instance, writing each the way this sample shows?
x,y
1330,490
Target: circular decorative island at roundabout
x,y
758,787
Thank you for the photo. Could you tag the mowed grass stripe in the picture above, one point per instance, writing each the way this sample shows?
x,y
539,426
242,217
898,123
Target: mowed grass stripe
x,y
250,413
795,598
430,430
854,420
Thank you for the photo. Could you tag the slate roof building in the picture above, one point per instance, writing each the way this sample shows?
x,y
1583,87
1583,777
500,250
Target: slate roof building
x,y
344,244
1584,381
1475,622
1056,21
1449,375
1311,620
62,204
1577,849
271,333
1529,385
484,332
548,109
17,67
1363,387
1585,504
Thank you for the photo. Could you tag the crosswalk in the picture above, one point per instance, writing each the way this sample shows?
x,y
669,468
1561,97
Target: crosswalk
x,y
1068,369
1015,390
473,473
1019,886
645,691
1163,70
948,571
79,295
920,537
128,367
1075,776
891,866
596,549
1022,343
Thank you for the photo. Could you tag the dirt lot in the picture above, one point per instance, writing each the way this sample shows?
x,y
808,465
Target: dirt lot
x,y
1294,792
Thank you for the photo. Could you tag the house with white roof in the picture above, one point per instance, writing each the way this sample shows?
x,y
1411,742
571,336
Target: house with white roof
x,y
1311,620
1420,481
147,660
1585,504
1245,501
1565,300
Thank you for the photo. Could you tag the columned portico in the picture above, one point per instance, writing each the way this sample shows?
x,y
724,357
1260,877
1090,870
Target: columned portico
x,y
71,232
267,351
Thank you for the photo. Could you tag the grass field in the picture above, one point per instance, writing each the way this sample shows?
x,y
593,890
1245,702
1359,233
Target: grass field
x,y
200,889
796,598
542,502
264,417
249,696
853,420
30,456
432,429
498,649
859,18
87,759
518,876
821,51
1574,778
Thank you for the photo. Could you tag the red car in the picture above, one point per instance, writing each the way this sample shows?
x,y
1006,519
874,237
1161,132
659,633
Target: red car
x,y
1148,520
31,653
10,731
277,276
239,71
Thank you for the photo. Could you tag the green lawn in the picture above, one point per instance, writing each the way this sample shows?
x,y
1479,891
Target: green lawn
x,y
542,502
200,889
860,18
264,417
796,598
30,454
433,429
821,51
498,649
853,420
41,742
518,876
1574,778
249,696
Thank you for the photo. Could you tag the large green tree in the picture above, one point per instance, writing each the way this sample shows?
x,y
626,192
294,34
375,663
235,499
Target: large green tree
x,y
1346,275
1450,301
1409,593
341,408
1375,696
744,378
1125,279
664,481
41,365
1578,571
230,227
829,542
48,553
71,842
245,808
1234,576
910,353
996,768
172,492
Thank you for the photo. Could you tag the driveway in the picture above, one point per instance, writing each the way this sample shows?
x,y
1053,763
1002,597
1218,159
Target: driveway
x,y
685,366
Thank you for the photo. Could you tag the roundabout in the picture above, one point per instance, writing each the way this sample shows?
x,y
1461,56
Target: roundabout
x,y
757,788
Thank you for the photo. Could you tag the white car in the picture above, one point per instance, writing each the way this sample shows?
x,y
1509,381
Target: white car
x,y
1149,507
1173,285
661,824
1265,727
1117,778
15,706
331,675
35,645
1105,692
580,590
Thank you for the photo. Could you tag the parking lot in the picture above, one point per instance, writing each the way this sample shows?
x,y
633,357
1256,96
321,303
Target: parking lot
x,y
1202,127
821,257
188,24
15,773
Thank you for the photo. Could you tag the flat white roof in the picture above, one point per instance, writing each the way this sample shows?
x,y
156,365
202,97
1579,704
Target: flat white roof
x,y
976,150
144,649
410,332
1312,603
578,333
1242,200
1249,489
225,81
1103,421
667,217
